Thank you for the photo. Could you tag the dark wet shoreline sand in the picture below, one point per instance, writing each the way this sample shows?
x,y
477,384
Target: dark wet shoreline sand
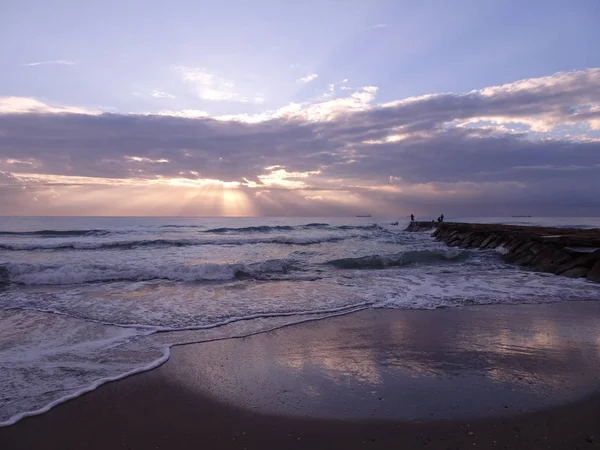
x,y
515,377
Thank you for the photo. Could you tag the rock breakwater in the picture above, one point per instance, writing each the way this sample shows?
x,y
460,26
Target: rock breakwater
x,y
570,252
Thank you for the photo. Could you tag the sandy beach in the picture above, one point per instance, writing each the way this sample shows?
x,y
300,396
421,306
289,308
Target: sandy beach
x,y
507,377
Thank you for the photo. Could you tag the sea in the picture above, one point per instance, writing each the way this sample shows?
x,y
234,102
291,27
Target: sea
x,y
84,301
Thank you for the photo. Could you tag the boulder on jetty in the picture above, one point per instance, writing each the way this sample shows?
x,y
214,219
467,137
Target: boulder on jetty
x,y
571,252
420,226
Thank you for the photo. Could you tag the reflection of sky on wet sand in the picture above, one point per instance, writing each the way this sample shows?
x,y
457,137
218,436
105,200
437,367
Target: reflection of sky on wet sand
x,y
407,364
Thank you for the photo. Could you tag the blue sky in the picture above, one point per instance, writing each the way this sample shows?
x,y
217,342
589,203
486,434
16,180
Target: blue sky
x,y
127,49
259,62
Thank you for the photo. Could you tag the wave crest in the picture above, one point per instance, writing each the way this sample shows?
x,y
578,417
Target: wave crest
x,y
399,259
257,229
39,274
56,233
143,243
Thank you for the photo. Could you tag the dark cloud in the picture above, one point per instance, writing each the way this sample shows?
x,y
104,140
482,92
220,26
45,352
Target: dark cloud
x,y
445,154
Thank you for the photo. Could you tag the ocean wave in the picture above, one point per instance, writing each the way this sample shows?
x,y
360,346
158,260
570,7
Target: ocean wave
x,y
4,276
399,259
373,226
199,228
56,233
308,226
257,229
181,226
144,243
40,274
316,225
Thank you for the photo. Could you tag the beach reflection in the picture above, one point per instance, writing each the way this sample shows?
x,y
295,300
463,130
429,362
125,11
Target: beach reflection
x,y
358,363
412,364
512,347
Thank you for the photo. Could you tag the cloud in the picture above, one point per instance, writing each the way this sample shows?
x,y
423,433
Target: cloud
x,y
326,110
61,62
23,105
187,113
308,78
522,148
379,25
209,86
161,94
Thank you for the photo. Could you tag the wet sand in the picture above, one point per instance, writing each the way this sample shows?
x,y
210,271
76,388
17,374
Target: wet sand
x,y
507,377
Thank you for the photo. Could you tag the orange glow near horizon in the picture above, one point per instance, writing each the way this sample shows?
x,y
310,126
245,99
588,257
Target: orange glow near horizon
x,y
277,192
73,195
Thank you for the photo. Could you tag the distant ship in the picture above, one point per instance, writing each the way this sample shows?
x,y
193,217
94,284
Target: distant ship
x,y
521,216
363,215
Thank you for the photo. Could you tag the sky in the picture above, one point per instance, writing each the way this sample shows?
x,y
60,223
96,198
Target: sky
x,y
312,108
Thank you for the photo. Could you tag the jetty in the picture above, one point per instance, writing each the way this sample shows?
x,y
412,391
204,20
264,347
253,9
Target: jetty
x,y
570,252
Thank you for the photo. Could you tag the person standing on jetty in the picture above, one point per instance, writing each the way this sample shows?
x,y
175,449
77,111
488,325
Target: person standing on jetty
x,y
412,217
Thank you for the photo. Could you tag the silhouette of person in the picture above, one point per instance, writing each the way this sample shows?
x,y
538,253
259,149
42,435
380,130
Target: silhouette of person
x,y
412,217
442,218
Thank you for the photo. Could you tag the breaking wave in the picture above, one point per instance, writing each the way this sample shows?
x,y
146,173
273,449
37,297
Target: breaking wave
x,y
373,226
316,225
39,274
56,233
181,226
143,243
260,229
308,226
399,259
200,229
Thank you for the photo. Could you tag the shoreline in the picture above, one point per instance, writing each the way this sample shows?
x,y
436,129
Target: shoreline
x,y
301,386
194,340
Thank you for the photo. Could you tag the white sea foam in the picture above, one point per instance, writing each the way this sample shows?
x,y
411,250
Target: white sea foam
x,y
501,249
47,359
176,306
438,288
51,359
